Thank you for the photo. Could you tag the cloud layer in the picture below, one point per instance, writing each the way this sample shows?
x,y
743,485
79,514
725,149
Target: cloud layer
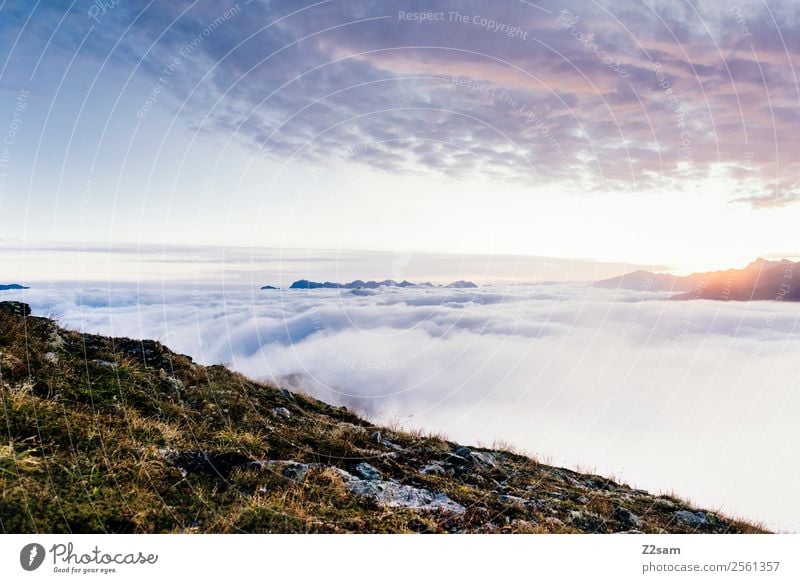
x,y
594,96
699,397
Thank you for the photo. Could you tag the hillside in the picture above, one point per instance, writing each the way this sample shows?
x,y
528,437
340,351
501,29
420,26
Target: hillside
x,y
117,435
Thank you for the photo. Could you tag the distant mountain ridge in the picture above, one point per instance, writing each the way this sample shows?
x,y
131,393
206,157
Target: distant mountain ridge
x,y
360,284
760,280
12,286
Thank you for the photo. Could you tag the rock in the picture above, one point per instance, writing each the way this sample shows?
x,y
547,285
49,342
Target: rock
x,y
486,460
282,412
632,531
456,460
288,394
627,518
377,437
433,470
51,357
15,308
391,445
295,470
694,519
391,494
56,341
368,472
582,500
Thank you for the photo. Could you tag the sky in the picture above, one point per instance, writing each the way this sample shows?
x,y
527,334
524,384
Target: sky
x,y
655,133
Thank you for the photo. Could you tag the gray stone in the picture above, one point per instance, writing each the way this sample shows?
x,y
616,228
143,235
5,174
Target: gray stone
x,y
392,494
391,445
295,470
281,412
627,518
433,470
483,459
694,519
376,436
51,357
368,472
456,460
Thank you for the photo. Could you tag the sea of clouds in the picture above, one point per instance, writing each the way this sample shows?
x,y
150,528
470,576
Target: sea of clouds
x,y
697,397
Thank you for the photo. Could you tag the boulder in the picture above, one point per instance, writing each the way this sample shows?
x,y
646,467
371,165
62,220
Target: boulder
x,y
392,494
368,472
627,518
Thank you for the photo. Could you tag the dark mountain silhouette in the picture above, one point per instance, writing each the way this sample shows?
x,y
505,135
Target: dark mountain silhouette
x,y
760,280
360,284
461,284
12,286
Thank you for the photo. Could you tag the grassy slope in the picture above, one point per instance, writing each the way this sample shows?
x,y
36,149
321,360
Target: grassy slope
x,y
116,435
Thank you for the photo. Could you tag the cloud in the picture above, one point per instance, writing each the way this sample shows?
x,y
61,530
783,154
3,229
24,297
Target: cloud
x,y
770,196
698,397
630,96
